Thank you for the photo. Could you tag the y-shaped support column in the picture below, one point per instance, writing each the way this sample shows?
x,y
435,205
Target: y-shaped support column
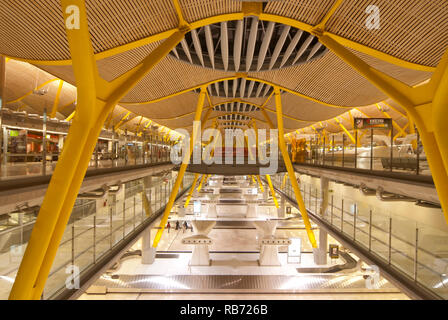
x,y
425,104
193,186
271,187
289,167
96,99
183,166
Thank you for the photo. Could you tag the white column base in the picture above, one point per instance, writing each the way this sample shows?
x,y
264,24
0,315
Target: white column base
x,y
200,256
211,213
269,256
320,254
148,252
251,210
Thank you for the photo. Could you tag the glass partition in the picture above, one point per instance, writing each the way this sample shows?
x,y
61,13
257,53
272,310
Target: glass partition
x,y
95,227
414,248
365,149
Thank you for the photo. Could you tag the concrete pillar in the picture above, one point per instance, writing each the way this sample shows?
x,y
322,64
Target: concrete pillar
x,y
320,253
181,211
281,211
324,187
268,253
200,255
148,252
266,193
251,210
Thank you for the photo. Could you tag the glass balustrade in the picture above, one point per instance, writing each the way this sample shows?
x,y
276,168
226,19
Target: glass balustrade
x,y
96,227
417,250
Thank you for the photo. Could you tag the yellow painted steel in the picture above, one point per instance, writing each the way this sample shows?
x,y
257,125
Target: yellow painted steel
x,y
284,180
91,113
329,14
424,105
202,181
118,125
290,169
139,124
70,117
193,186
232,101
345,130
238,77
145,201
180,16
412,131
56,100
272,191
395,109
260,183
183,168
109,120
238,16
67,105
31,92
399,134
38,253
253,179
395,124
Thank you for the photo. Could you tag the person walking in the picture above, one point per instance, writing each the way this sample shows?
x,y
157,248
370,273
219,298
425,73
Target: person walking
x,y
168,226
177,225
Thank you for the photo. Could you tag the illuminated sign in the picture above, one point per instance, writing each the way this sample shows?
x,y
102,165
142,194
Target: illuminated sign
x,y
197,207
295,250
334,251
372,123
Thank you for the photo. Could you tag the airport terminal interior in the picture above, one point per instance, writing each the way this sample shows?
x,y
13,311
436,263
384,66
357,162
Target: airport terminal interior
x,y
224,150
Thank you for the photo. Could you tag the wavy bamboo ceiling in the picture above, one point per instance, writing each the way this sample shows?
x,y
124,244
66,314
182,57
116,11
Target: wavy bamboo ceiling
x,y
414,31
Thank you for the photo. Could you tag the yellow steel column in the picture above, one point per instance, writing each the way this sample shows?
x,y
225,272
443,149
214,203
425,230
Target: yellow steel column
x,y
202,181
196,176
253,179
424,105
70,117
272,190
439,108
183,167
261,184
59,187
284,180
289,167
81,140
56,100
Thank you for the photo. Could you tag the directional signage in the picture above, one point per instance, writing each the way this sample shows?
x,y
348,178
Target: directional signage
x,y
295,250
334,251
372,123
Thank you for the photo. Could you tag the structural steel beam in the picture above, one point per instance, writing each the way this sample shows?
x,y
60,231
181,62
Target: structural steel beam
x,y
193,186
345,130
201,182
67,178
268,178
183,167
56,100
425,104
260,183
238,16
290,169
235,78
